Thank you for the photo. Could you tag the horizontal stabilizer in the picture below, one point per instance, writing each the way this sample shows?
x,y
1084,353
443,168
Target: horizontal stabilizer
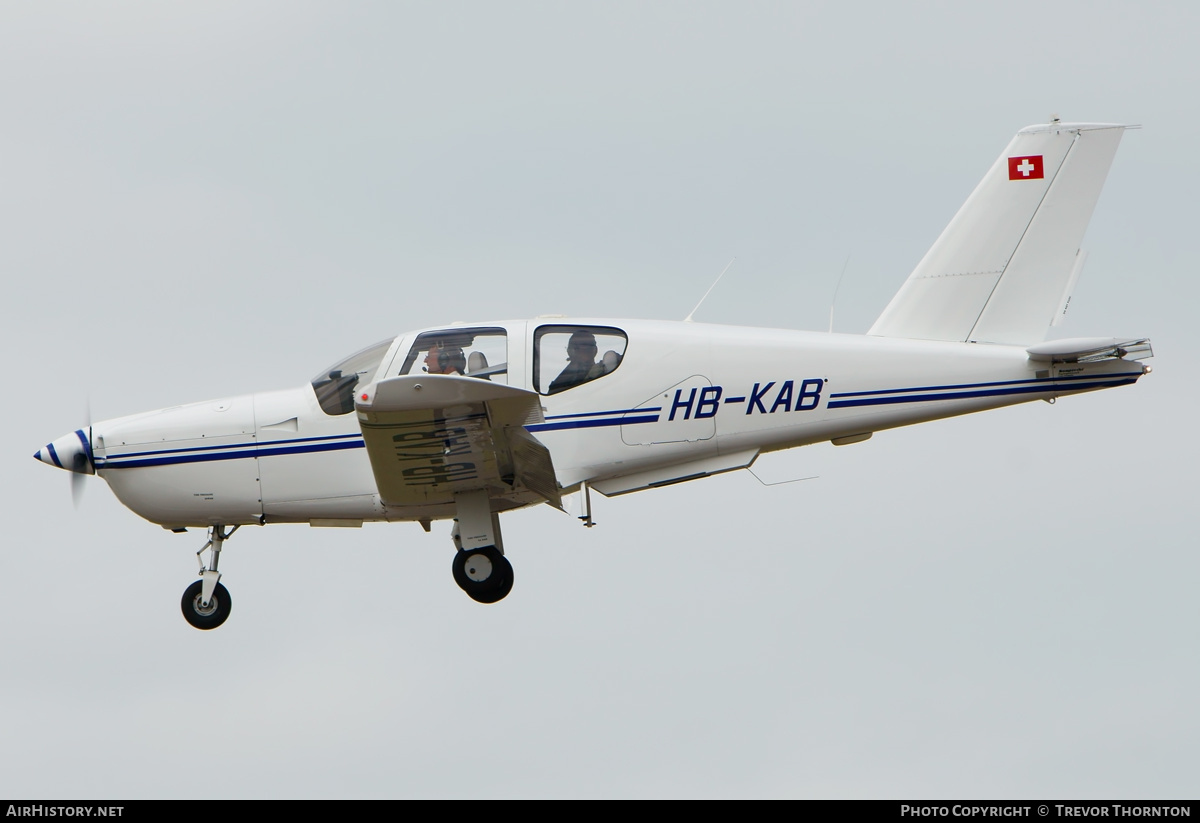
x,y
1090,350
1002,270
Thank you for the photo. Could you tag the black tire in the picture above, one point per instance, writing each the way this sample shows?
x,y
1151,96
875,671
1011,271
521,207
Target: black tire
x,y
504,587
217,611
484,574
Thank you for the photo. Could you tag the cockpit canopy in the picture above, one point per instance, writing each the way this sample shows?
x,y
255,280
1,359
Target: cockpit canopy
x,y
473,352
564,356
335,386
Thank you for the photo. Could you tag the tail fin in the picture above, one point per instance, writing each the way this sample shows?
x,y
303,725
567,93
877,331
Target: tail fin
x,y
1003,269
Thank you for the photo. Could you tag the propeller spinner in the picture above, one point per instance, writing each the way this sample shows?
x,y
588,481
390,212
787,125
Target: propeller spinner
x,y
72,452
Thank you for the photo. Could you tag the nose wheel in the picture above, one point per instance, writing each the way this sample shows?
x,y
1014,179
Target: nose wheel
x,y
205,616
484,574
206,603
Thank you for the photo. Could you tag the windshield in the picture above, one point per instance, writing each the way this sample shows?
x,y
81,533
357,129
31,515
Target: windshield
x,y
335,386
481,353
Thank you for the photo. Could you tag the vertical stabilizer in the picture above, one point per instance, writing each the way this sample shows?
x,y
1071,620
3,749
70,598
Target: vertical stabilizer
x,y
1001,271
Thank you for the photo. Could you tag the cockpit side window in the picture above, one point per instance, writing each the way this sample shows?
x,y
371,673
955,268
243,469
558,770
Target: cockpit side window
x,y
481,353
568,356
335,386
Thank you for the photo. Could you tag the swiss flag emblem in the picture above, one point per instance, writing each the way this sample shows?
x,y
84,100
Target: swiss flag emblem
x,y
1025,168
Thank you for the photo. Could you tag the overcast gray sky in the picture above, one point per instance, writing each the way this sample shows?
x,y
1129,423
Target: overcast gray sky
x,y
208,199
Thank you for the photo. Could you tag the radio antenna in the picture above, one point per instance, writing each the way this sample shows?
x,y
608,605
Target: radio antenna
x,y
688,319
835,292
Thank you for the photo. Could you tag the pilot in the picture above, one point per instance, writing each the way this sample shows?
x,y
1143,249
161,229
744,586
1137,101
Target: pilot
x,y
443,359
582,365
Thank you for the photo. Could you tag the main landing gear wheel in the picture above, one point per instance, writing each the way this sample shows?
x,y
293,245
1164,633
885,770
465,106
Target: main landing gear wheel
x,y
484,574
195,612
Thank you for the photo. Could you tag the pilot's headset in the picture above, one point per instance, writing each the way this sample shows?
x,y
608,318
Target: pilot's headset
x,y
451,357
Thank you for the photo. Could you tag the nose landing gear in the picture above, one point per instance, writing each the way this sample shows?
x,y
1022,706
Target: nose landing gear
x,y
201,616
206,603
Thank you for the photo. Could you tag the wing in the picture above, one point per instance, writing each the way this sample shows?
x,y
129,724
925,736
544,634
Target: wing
x,y
431,436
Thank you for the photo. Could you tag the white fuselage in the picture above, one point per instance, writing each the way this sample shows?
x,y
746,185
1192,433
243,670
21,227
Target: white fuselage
x,y
687,400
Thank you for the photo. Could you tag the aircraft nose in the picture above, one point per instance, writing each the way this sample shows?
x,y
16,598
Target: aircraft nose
x,y
72,452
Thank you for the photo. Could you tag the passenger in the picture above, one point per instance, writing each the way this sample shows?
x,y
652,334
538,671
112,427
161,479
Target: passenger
x,y
582,365
443,359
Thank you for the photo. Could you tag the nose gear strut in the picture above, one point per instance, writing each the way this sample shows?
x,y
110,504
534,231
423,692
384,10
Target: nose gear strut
x,y
206,603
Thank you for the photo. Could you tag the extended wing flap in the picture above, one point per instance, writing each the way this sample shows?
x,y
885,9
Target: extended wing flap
x,y
431,436
533,466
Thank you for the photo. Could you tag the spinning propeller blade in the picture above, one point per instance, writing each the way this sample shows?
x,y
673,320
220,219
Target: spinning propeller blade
x,y
80,469
72,452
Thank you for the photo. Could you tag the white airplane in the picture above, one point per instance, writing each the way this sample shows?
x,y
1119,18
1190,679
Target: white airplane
x,y
467,421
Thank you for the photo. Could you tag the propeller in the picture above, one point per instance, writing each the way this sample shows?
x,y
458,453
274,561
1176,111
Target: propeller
x,y
79,472
81,461
72,452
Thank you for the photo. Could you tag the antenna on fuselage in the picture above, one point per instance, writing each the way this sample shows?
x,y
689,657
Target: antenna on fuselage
x,y
835,292
688,319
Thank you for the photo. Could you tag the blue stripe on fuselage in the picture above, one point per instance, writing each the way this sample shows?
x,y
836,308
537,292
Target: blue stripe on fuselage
x,y
205,454
602,413
934,393
591,424
979,385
